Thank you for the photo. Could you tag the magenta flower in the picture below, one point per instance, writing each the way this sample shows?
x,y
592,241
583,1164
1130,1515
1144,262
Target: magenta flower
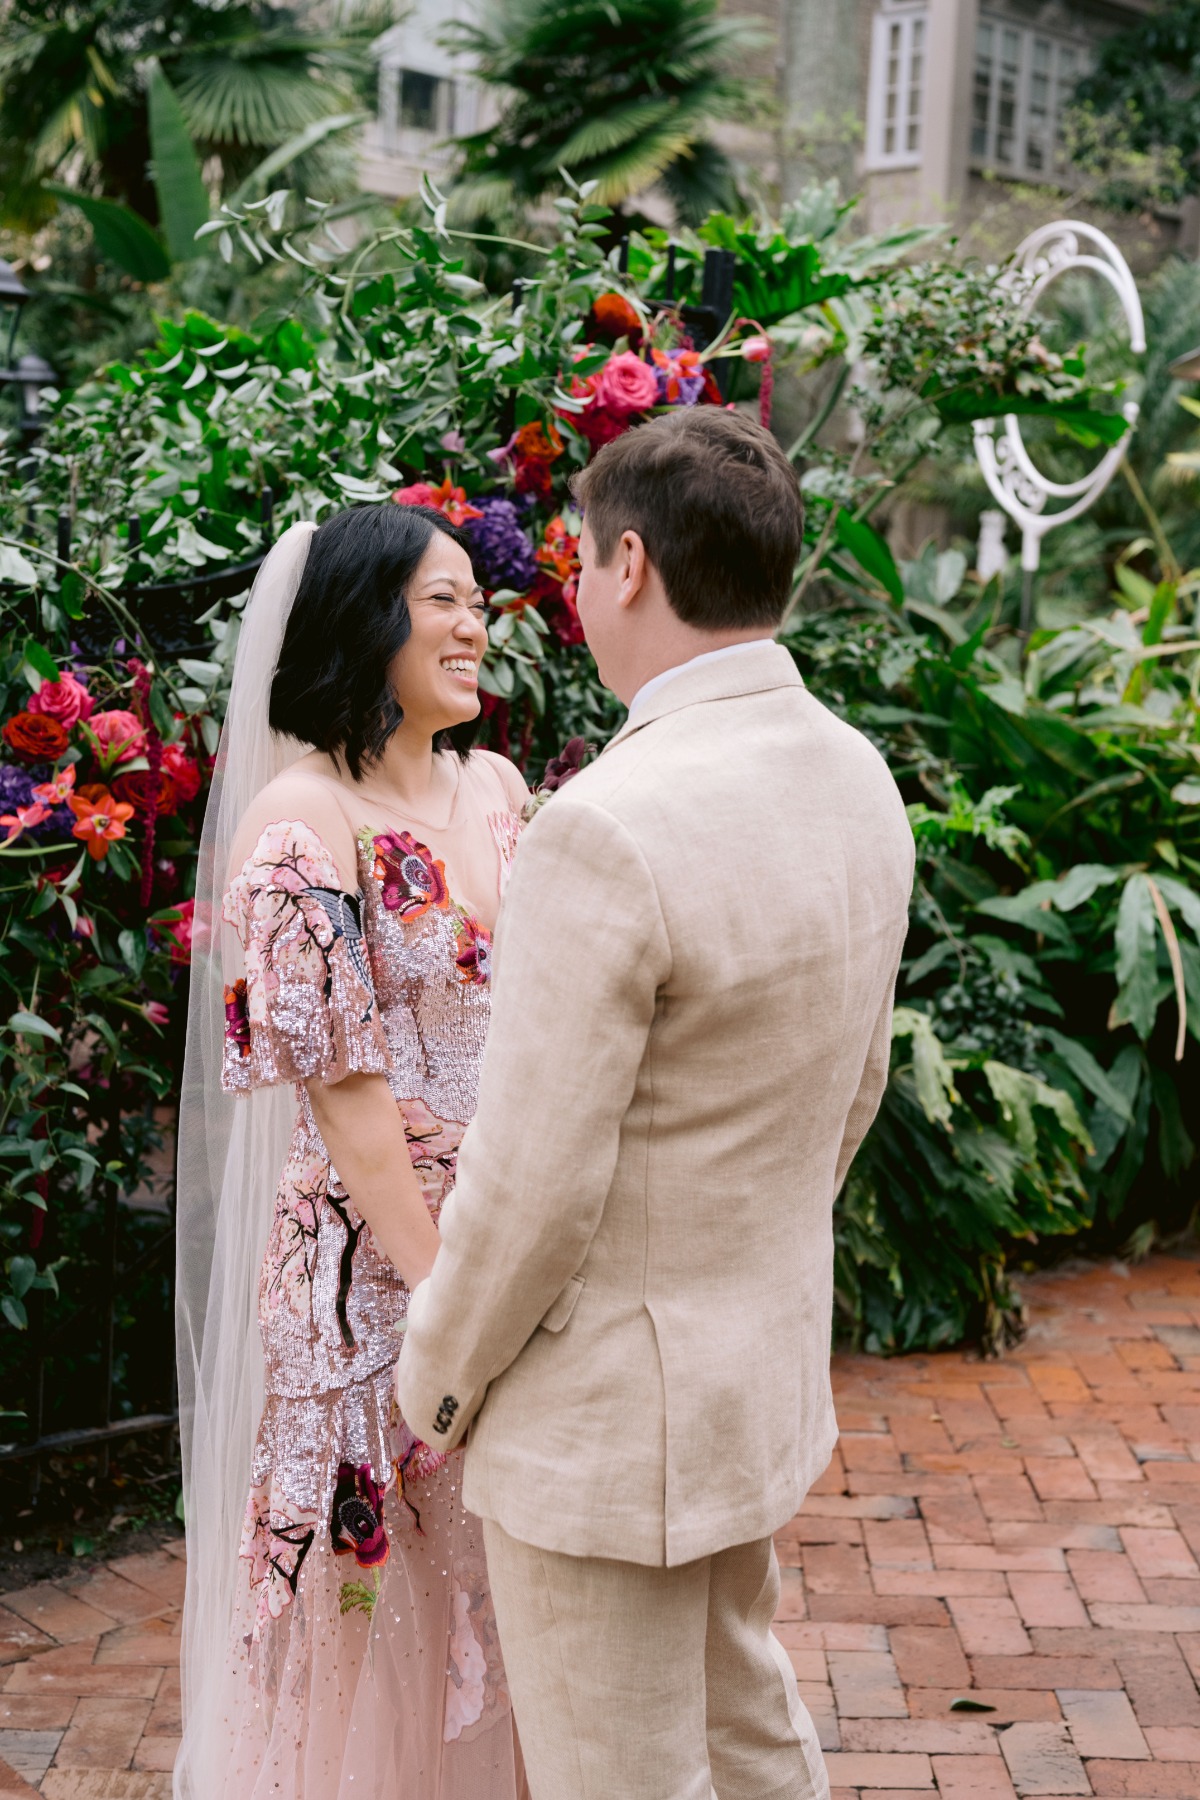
x,y
474,959
357,1526
413,881
626,385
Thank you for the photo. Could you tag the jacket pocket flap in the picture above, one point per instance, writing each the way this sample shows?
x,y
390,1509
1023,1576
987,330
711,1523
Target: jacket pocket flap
x,y
561,1308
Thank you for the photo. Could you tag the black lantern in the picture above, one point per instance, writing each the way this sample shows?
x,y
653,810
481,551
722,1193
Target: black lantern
x,y
31,375
13,295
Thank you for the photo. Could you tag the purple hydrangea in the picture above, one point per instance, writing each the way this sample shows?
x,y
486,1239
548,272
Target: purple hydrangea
x,y
502,552
16,789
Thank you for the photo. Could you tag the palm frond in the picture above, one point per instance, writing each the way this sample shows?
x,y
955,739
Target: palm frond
x,y
596,137
258,104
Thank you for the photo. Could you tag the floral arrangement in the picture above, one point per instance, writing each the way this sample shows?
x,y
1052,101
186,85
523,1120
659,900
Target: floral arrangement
x,y
101,779
524,532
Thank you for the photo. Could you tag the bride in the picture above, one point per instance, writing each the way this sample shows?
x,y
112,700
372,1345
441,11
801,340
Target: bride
x,y
355,849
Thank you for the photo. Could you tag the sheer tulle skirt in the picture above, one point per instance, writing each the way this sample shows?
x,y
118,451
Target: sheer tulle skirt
x,y
376,1684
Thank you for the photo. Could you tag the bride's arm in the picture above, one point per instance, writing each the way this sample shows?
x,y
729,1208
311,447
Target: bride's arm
x,y
364,1134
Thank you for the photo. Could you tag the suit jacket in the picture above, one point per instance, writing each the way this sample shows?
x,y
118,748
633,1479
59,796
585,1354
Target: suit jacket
x,y
691,1024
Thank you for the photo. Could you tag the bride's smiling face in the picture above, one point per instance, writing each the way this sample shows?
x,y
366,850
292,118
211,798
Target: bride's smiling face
x,y
435,675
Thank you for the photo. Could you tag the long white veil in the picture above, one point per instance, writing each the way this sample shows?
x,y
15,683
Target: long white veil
x,y
231,1152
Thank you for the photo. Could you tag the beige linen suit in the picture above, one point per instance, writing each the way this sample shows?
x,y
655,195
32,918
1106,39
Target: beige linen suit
x,y
690,1035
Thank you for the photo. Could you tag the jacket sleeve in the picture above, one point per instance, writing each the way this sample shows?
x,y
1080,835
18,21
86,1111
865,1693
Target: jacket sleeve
x,y
872,1082
581,954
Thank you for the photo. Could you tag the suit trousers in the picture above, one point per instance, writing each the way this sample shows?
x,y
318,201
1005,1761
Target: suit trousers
x,y
651,1683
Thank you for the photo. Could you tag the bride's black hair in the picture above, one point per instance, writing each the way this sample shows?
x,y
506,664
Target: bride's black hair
x,y
349,618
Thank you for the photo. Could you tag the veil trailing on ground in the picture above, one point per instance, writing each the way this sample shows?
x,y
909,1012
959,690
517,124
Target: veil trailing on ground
x,y
231,1152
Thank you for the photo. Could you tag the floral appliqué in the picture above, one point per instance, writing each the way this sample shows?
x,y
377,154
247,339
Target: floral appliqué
x,y
413,880
357,1527
474,959
237,1017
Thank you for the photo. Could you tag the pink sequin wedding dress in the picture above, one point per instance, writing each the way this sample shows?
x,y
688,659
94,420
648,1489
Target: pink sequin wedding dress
x,y
365,1662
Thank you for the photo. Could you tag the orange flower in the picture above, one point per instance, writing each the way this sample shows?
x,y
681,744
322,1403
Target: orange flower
x,y
535,440
615,316
559,550
99,820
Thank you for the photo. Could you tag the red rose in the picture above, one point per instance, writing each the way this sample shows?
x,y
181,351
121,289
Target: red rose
x,y
183,771
135,786
35,737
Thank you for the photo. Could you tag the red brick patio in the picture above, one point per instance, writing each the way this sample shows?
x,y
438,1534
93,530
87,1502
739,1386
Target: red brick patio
x,y
1019,1532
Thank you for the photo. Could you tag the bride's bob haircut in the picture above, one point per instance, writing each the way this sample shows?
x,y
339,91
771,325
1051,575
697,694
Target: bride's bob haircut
x,y
349,618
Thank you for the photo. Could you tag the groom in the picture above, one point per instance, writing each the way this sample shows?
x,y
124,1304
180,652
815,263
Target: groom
x,y
631,1304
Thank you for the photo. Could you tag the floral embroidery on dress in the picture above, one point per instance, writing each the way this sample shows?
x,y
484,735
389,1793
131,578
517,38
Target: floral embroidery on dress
x,y
237,1018
466,1673
433,1151
357,1527
306,1006
276,1538
291,1258
474,959
413,880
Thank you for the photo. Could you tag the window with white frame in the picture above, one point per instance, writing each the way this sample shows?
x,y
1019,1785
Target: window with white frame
x,y
897,93
1024,80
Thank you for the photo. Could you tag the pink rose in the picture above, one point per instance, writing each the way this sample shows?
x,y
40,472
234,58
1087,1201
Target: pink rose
x,y
119,735
626,385
66,700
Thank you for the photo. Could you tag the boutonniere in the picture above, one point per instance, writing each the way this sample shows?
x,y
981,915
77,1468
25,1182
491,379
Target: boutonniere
x,y
559,770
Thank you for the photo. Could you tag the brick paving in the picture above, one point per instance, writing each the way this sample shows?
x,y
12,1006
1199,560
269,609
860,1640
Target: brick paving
x,y
1023,1534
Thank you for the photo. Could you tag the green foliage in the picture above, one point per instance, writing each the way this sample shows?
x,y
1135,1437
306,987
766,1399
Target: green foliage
x,y
622,94
1054,955
182,197
121,236
79,84
1142,99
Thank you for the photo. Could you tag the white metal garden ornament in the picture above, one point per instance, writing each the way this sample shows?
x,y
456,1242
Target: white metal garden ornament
x,y
1013,478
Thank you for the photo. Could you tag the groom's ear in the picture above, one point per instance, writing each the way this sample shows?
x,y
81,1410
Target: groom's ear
x,y
632,566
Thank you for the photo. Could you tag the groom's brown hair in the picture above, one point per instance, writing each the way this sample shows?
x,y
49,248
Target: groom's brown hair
x,y
715,502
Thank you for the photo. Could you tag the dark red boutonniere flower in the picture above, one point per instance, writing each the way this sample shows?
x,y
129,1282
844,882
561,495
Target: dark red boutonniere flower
x,y
413,881
474,958
237,1018
568,762
357,1526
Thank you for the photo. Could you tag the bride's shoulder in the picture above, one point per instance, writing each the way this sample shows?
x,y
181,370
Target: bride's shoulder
x,y
498,769
302,800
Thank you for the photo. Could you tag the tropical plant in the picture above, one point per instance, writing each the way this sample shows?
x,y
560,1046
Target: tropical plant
x,y
622,93
1055,933
77,92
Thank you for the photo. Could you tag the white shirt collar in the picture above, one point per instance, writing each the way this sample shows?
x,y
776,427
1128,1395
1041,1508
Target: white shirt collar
x,y
706,656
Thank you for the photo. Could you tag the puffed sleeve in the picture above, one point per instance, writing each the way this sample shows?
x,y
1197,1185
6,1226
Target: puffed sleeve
x,y
305,1006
